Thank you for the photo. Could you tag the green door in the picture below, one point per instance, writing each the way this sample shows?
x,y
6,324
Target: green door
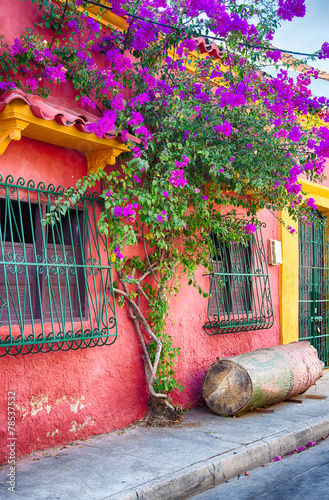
x,y
313,285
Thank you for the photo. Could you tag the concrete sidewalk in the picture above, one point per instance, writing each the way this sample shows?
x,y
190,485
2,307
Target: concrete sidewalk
x,y
170,462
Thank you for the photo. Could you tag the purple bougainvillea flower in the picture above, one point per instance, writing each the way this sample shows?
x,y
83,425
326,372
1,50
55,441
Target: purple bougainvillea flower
x,y
197,190
104,124
274,54
56,73
32,83
124,135
250,229
295,134
232,158
177,177
92,24
324,51
17,48
186,135
225,128
309,166
128,211
276,459
117,211
288,9
204,197
136,152
85,101
311,203
165,194
117,252
73,25
136,118
117,103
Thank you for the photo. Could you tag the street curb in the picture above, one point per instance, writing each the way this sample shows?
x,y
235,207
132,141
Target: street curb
x,y
201,476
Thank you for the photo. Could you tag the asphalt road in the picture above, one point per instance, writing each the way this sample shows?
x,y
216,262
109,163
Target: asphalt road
x,y
304,475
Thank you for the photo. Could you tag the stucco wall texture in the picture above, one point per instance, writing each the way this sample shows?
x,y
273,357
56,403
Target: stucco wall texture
x,y
65,396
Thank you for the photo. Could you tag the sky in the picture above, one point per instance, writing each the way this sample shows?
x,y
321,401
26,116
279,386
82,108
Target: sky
x,y
307,35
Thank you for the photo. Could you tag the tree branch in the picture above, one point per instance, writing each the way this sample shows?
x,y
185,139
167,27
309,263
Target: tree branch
x,y
147,256
136,318
60,23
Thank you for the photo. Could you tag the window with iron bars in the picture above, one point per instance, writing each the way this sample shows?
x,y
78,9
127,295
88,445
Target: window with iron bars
x,y
55,280
239,286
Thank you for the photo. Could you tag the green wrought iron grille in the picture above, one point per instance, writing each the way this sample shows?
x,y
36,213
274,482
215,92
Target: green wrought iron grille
x,y
314,285
239,287
55,280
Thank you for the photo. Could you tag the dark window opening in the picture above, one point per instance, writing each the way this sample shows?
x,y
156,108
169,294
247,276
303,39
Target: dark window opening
x,y
235,282
56,288
239,287
17,220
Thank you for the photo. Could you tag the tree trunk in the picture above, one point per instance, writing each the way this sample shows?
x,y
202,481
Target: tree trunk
x,y
261,378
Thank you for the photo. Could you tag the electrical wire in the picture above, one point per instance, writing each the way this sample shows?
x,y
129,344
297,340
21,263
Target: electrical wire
x,y
262,47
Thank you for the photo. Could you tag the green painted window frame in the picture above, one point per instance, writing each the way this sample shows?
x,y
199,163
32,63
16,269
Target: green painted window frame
x,y
240,294
313,301
56,289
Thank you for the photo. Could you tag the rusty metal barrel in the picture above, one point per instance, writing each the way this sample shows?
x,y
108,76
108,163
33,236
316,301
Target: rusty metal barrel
x,y
261,378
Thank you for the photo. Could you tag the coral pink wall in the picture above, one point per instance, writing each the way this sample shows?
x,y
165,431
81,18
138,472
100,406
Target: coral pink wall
x,y
199,350
65,396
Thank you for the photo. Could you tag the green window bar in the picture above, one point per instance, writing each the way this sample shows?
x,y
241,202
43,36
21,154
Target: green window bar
x,y
239,287
55,280
314,285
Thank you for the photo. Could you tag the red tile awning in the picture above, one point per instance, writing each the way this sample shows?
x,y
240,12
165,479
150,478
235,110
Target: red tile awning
x,y
48,111
211,48
30,116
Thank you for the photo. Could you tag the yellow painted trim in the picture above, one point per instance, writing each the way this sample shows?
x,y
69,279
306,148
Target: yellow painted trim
x,y
18,120
99,159
289,281
10,130
318,192
106,18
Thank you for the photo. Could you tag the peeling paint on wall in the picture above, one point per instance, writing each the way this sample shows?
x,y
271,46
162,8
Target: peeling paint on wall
x,y
75,405
78,427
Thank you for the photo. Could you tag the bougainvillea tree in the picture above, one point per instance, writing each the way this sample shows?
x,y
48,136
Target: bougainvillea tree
x,y
217,137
